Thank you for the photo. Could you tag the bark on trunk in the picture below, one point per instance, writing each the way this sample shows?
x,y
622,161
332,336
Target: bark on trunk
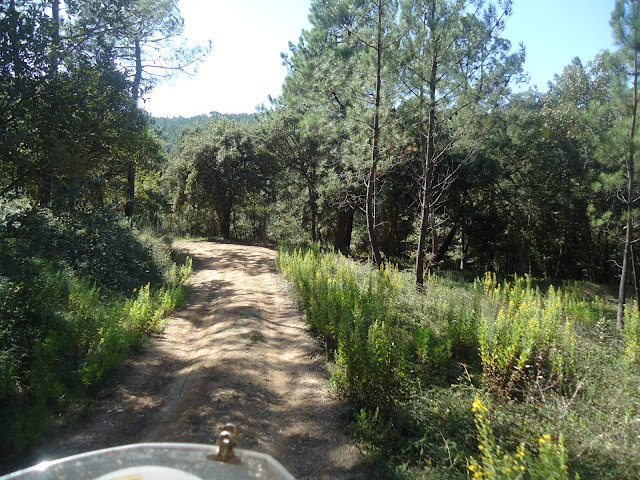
x,y
131,170
343,231
427,217
622,292
224,216
370,204
46,187
442,250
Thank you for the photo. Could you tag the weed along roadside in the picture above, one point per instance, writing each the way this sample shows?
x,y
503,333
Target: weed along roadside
x,y
67,325
486,379
237,351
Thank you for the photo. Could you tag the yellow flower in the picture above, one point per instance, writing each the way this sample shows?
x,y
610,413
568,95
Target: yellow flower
x,y
545,438
478,406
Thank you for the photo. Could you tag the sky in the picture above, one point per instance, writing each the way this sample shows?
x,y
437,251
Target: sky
x,y
244,66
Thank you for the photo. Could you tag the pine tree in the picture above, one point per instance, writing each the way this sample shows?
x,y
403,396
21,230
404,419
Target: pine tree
x,y
625,22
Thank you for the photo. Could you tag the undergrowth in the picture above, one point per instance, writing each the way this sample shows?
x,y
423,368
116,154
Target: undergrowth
x,y
77,295
559,384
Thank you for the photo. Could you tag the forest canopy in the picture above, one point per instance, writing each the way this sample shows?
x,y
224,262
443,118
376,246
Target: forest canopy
x,y
405,132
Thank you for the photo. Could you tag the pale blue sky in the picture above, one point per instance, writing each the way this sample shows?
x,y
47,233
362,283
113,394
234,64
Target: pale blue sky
x,y
556,31
244,67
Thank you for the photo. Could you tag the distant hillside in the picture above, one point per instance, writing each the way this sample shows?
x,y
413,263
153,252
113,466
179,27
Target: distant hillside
x,y
170,128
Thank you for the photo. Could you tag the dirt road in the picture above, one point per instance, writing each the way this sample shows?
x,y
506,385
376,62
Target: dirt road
x,y
236,352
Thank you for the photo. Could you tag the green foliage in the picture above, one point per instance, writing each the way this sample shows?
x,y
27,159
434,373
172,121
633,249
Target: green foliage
x,y
586,311
170,129
632,333
64,324
549,463
216,171
453,312
370,428
97,244
574,379
68,138
432,350
352,309
528,342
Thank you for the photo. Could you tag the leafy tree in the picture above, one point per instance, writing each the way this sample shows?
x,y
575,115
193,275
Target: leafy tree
x,y
169,129
24,39
66,137
358,97
537,216
216,168
581,106
298,147
317,93
146,36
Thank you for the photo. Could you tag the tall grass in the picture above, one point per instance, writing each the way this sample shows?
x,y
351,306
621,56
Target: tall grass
x,y
632,333
530,342
61,335
549,364
351,308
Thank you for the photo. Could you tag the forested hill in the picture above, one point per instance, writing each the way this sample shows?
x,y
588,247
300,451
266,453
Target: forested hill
x,y
170,128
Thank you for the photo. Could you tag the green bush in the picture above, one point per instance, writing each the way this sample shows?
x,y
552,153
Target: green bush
x,y
352,309
63,325
632,333
431,349
496,464
529,343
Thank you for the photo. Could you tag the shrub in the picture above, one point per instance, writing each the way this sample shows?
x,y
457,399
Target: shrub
x,y
587,312
529,343
495,464
432,349
63,326
352,309
370,429
632,333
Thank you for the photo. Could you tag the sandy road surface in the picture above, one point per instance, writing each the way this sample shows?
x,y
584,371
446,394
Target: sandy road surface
x,y
236,352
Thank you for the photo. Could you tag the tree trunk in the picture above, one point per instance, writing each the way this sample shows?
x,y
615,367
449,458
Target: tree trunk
x,y
463,249
313,206
427,218
46,186
622,292
131,170
343,232
224,216
442,250
370,204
